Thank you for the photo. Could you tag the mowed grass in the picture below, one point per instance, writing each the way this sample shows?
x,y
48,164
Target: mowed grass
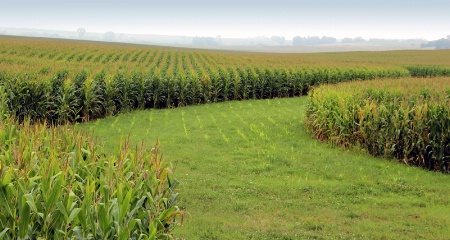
x,y
249,170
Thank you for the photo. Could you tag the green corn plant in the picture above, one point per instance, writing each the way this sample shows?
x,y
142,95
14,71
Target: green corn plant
x,y
77,96
172,91
260,85
136,91
95,98
4,111
159,91
285,85
244,85
233,92
196,89
147,90
277,83
270,84
117,92
55,96
65,112
297,83
56,183
253,80
185,90
216,86
225,84
166,65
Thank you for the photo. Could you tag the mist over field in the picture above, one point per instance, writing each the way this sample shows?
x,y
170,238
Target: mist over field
x,y
236,19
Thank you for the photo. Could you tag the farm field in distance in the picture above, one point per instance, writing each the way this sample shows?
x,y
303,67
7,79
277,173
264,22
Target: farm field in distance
x,y
232,125
47,56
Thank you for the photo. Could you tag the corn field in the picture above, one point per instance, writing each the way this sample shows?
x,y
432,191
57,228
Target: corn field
x,y
406,119
64,82
55,183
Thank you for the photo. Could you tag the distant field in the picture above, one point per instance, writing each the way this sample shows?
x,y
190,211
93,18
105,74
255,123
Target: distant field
x,y
19,55
322,48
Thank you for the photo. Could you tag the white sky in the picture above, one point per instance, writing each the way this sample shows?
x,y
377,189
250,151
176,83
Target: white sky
x,y
399,19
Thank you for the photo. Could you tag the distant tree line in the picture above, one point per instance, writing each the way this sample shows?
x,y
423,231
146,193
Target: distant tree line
x,y
296,41
278,39
354,40
109,36
81,33
204,41
443,43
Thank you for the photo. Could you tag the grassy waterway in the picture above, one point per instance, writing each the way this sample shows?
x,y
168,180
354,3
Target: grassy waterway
x,y
249,169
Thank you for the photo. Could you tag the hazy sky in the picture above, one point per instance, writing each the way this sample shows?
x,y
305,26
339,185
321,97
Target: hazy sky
x,y
428,19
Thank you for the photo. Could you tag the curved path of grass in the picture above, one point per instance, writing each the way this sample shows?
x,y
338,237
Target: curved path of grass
x,y
250,170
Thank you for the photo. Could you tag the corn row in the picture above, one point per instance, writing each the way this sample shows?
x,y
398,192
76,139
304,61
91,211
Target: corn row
x,y
407,119
428,71
65,99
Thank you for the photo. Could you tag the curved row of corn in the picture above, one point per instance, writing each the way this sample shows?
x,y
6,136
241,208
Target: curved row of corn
x,y
408,119
428,71
55,183
80,97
